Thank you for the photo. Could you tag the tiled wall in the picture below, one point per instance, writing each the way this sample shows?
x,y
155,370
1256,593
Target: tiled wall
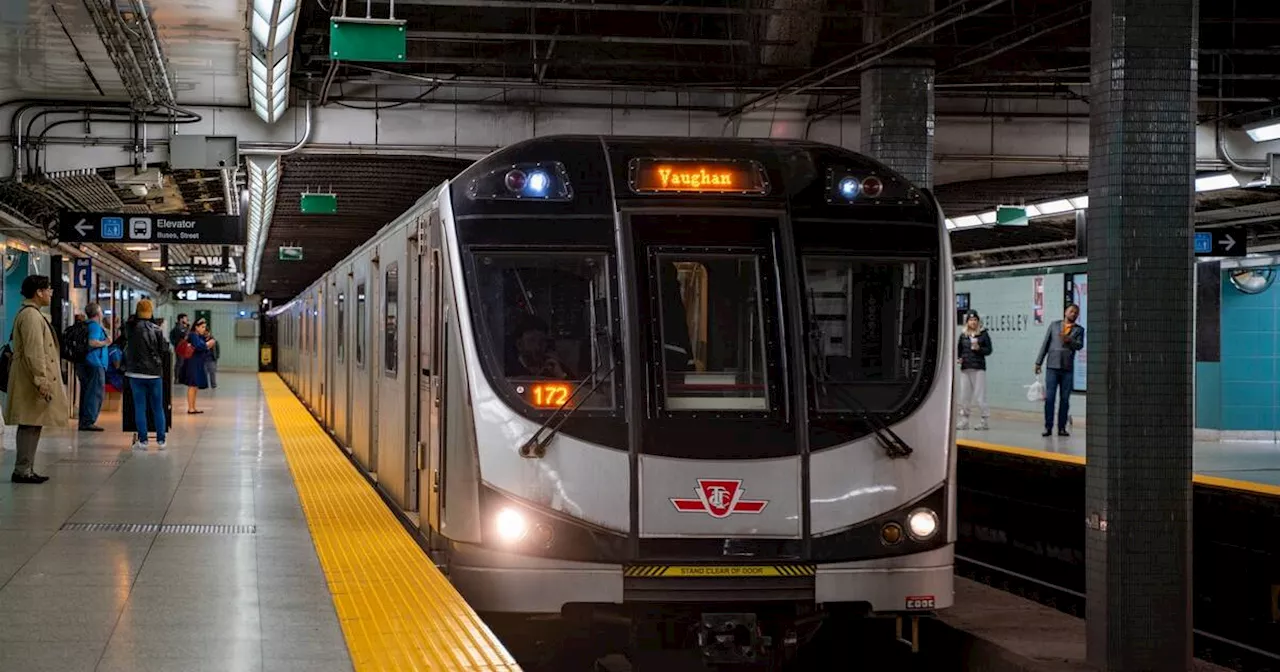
x,y
1249,385
1006,307
236,354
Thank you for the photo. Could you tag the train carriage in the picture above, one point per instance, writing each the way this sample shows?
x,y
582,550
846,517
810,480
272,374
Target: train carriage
x,y
707,379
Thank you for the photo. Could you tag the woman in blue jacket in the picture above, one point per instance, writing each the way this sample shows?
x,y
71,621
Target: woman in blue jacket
x,y
195,369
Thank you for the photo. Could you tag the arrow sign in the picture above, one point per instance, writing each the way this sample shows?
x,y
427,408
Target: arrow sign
x,y
83,227
1224,242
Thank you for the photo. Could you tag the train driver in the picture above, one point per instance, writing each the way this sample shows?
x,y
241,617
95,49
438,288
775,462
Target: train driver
x,y
533,355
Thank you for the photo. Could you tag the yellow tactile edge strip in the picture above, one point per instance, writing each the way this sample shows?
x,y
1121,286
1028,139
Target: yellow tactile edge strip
x,y
1202,479
398,612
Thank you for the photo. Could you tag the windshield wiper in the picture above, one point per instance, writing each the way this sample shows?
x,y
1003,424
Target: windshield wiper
x,y
536,446
893,444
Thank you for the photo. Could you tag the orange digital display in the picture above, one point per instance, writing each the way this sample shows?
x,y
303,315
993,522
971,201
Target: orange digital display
x,y
656,176
549,395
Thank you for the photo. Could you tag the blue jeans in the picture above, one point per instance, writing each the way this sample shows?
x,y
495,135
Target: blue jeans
x,y
148,393
1057,382
93,379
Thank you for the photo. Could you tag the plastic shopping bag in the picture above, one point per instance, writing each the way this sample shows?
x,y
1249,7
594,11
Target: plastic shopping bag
x,y
1035,391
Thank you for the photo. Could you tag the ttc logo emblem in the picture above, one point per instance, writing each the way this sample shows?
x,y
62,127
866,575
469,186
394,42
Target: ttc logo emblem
x,y
719,498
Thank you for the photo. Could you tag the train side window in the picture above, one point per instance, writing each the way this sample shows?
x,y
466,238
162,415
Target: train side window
x,y
713,335
342,324
547,319
362,323
391,303
867,330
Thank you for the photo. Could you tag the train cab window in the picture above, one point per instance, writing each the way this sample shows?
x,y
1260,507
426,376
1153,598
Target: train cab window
x,y
548,326
713,335
867,321
362,323
392,309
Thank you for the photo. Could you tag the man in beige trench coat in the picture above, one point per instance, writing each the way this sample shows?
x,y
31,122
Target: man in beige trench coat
x,y
37,397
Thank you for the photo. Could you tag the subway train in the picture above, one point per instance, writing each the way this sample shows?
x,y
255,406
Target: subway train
x,y
703,383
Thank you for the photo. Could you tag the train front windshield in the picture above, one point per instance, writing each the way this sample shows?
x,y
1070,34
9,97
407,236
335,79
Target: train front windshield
x,y
745,290
867,330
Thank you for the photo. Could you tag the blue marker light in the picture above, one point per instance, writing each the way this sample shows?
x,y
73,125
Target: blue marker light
x,y
538,183
849,188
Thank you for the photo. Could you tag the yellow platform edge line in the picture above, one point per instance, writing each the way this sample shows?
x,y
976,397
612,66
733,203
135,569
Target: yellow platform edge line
x,y
397,611
1201,479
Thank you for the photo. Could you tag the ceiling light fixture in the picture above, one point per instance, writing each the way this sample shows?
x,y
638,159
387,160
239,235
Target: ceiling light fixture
x,y
271,27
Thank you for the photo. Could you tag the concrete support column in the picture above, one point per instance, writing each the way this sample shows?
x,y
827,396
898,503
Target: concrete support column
x,y
1140,337
897,115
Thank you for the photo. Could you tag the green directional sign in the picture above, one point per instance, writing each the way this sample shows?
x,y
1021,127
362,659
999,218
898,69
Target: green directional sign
x,y
375,40
290,253
319,204
1009,215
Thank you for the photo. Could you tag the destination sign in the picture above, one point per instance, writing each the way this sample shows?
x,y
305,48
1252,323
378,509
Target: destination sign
x,y
683,176
178,229
207,295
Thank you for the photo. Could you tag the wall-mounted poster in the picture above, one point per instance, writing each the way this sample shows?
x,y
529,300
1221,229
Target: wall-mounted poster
x,y
1037,299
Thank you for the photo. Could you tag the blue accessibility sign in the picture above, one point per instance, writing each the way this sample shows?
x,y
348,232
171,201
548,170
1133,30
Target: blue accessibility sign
x,y
83,277
113,227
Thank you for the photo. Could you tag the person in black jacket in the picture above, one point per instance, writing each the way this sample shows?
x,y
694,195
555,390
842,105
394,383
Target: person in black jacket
x,y
972,351
144,369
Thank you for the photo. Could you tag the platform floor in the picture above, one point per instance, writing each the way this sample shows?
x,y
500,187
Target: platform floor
x,y
202,557
1244,461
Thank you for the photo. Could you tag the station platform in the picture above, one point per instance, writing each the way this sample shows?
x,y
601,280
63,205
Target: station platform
x,y
1243,465
249,544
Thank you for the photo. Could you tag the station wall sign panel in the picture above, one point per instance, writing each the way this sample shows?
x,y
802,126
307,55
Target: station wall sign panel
x,y
180,229
207,295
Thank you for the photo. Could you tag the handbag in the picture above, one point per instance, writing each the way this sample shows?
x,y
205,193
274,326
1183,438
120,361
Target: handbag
x,y
6,358
185,350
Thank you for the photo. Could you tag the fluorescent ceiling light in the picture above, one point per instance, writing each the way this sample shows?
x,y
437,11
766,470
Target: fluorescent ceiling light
x,y
988,217
136,248
967,221
1264,131
1080,202
1055,207
1032,211
951,224
1217,182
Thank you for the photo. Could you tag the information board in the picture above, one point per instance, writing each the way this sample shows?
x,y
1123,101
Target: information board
x,y
181,229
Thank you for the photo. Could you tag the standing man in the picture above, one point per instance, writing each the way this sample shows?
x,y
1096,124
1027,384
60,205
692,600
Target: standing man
x,y
1062,341
93,370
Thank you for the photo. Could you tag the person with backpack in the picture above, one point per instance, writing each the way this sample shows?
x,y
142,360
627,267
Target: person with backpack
x,y
90,358
36,396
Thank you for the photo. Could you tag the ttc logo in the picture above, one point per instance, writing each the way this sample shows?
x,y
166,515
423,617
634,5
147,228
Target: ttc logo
x,y
719,498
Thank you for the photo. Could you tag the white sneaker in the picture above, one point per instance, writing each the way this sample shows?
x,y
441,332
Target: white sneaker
x,y
160,445
138,445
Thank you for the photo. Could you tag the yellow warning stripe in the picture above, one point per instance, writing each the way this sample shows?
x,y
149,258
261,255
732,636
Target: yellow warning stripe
x,y
398,612
717,571
1202,479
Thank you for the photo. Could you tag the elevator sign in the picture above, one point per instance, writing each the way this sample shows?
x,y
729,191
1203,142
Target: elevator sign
x,y
162,229
1225,242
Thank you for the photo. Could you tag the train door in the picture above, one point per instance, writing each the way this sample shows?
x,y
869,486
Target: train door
x,y
339,397
322,363
361,406
391,447
431,383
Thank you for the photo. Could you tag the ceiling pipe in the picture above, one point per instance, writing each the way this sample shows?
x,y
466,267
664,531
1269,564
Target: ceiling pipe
x,y
886,47
306,137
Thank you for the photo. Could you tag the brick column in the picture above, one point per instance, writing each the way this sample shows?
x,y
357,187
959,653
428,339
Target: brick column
x,y
896,114
1140,338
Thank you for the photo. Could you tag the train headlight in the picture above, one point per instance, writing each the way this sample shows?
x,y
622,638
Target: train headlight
x,y
922,524
511,525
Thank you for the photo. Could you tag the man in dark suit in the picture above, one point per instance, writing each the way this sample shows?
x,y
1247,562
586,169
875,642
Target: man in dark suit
x,y
1062,341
